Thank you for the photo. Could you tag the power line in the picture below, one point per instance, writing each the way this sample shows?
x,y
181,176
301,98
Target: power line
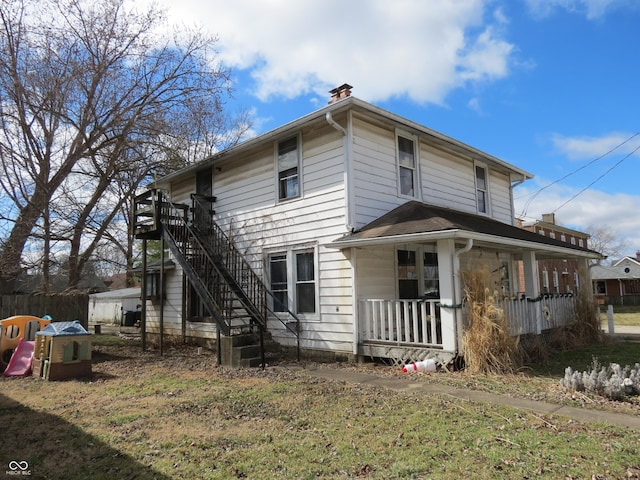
x,y
599,178
536,193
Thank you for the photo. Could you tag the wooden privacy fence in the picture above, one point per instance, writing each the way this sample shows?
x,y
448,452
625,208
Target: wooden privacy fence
x,y
62,308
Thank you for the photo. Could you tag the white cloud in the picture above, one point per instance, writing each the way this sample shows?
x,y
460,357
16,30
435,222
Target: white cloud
x,y
592,9
579,148
591,208
411,48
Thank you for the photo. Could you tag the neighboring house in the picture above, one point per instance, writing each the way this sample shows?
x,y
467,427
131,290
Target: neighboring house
x,y
619,283
355,223
558,275
109,307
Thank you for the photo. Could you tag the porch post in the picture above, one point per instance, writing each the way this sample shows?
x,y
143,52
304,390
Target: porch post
x,y
448,273
354,300
531,279
532,285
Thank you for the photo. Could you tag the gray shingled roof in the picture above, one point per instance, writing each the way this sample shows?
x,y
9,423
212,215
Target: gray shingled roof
x,y
415,217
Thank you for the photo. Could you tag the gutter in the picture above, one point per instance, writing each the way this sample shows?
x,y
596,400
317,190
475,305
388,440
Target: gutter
x,y
460,234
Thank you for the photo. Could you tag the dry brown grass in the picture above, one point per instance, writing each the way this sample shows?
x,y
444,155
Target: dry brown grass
x,y
487,345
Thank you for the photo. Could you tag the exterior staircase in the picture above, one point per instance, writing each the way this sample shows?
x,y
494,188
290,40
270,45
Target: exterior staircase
x,y
236,298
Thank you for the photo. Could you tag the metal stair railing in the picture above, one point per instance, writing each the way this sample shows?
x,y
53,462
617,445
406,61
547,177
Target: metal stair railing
x,y
194,259
239,270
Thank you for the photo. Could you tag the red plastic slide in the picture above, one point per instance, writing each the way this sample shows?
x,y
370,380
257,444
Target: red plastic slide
x,y
21,360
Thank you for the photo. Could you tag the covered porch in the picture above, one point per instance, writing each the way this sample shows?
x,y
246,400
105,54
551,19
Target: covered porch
x,y
408,286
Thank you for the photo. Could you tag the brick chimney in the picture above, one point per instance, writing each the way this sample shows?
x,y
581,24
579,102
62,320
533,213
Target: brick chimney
x,y
638,255
338,93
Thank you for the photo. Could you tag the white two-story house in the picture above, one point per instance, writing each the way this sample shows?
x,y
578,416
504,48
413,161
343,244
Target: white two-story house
x,y
356,222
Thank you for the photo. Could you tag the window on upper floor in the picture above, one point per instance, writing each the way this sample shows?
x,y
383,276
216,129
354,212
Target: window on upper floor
x,y
407,166
482,189
288,164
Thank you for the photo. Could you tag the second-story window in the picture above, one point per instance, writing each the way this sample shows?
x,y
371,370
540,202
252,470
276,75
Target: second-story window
x,y
482,196
407,168
288,169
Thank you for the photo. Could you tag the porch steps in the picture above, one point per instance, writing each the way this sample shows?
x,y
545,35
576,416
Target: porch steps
x,y
243,350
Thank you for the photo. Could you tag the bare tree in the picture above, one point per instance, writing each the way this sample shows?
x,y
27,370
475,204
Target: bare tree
x,y
92,96
605,240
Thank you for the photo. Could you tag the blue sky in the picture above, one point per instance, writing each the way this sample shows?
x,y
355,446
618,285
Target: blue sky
x,y
548,85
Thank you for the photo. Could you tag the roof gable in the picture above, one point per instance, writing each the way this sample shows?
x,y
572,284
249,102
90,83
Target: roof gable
x,y
630,261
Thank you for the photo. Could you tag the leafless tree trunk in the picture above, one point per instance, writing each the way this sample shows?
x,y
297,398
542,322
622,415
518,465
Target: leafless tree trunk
x,y
88,93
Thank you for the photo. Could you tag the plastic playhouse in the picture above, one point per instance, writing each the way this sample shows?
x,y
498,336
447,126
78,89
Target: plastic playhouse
x,y
62,350
17,339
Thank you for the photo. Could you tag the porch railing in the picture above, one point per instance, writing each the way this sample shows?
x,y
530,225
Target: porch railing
x,y
527,315
401,322
417,322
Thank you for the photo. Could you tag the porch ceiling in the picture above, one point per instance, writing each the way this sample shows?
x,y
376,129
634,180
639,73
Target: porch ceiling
x,y
419,222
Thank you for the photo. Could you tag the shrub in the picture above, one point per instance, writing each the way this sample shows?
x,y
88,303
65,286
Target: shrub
x,y
613,382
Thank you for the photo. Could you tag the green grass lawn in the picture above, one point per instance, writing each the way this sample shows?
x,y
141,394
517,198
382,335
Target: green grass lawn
x,y
622,315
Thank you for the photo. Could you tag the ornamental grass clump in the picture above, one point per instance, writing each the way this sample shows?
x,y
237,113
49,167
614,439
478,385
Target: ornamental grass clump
x,y
613,382
585,328
487,345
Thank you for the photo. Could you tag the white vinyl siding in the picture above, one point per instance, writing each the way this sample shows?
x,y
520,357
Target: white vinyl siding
x,y
261,226
447,180
443,178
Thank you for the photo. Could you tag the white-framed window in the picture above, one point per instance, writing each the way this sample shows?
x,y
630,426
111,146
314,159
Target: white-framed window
x,y
563,237
545,280
152,285
288,168
552,235
417,273
581,243
482,188
556,280
293,280
407,165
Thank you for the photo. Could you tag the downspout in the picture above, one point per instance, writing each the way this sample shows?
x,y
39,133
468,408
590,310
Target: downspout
x,y
457,300
511,187
346,147
349,224
335,124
